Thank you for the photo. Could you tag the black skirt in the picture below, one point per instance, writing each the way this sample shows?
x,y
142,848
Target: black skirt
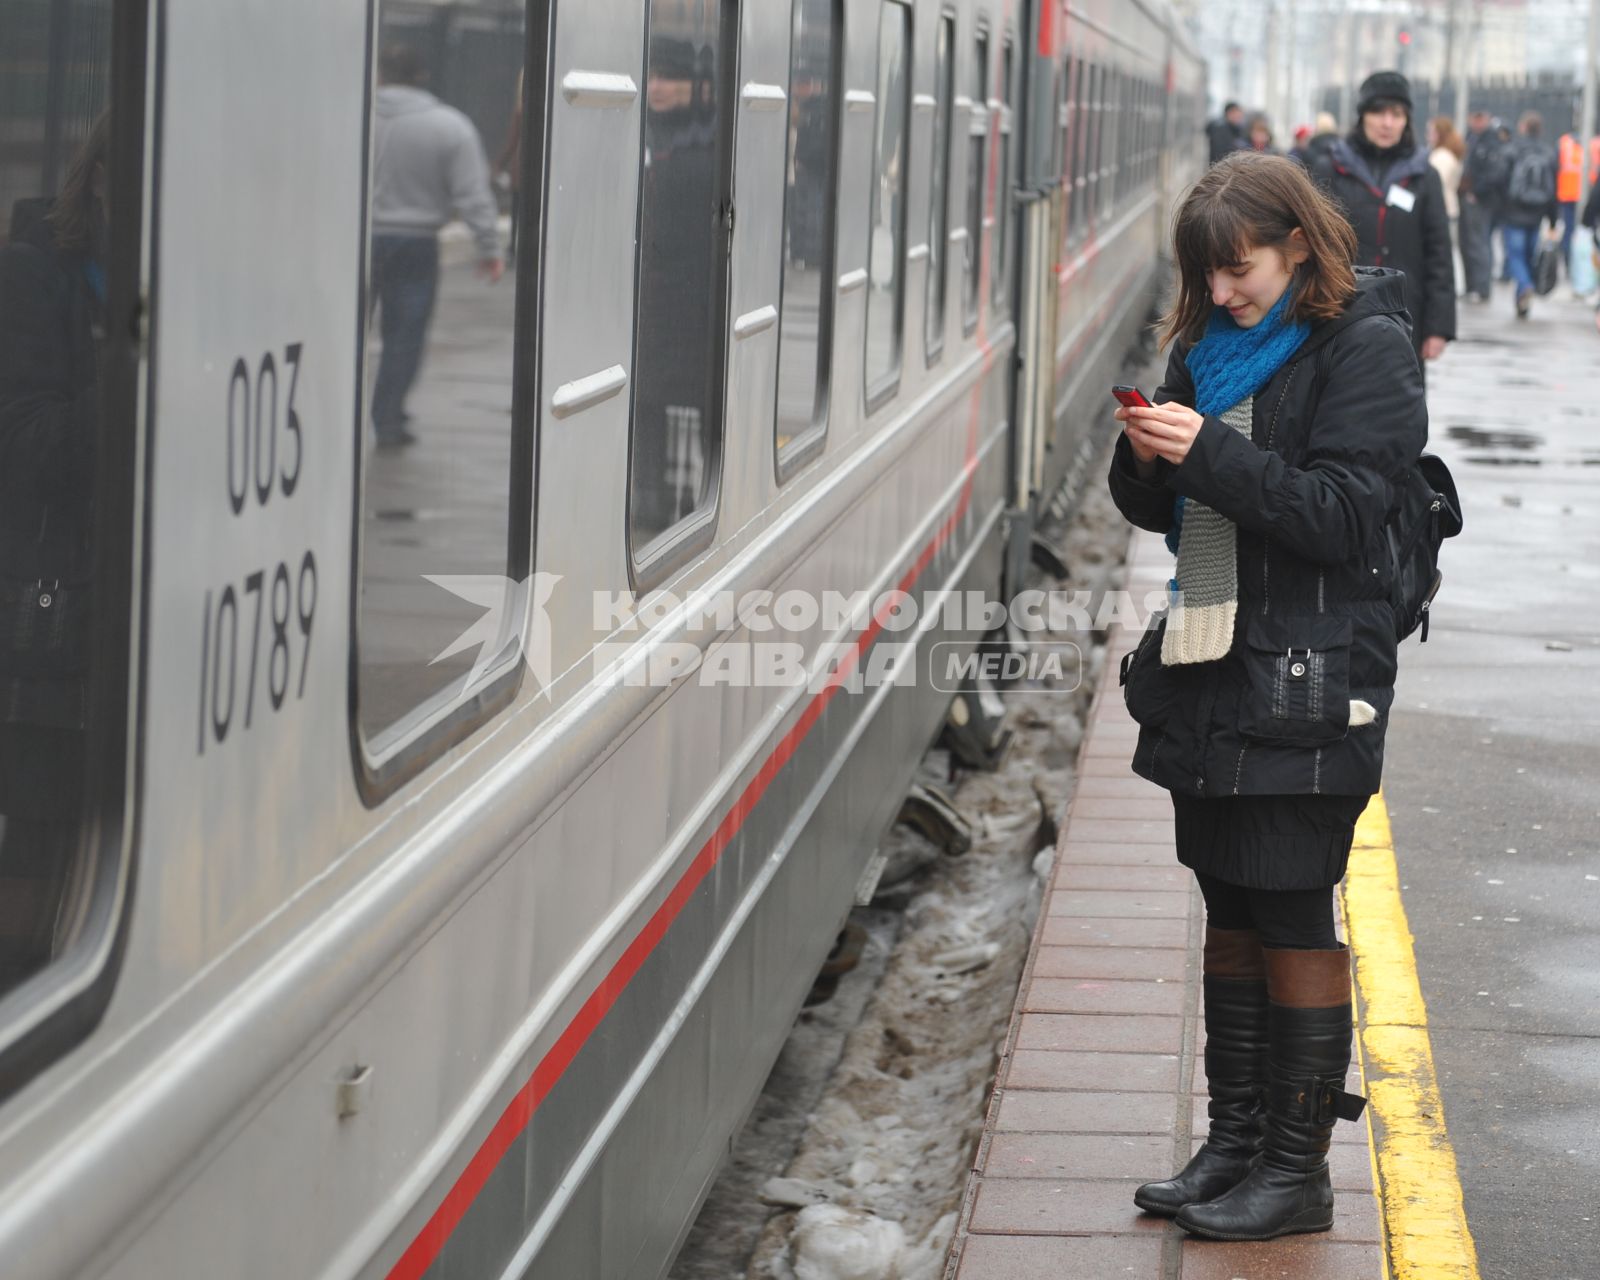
x,y
1267,842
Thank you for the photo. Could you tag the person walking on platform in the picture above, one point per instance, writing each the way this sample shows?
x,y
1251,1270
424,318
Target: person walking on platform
x,y
428,166
1396,205
1530,202
1226,133
1569,187
1291,410
1445,152
1482,192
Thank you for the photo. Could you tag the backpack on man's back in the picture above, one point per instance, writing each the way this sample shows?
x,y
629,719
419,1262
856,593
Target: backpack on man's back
x,y
1533,176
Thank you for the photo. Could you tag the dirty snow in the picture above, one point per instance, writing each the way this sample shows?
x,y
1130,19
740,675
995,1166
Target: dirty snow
x,y
855,1159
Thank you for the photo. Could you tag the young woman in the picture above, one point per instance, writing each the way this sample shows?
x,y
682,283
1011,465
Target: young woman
x,y
1291,410
1446,152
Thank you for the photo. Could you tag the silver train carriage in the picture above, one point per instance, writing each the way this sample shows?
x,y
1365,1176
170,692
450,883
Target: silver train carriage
x,y
385,889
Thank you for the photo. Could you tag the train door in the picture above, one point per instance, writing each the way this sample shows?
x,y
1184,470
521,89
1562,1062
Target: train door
x,y
1035,92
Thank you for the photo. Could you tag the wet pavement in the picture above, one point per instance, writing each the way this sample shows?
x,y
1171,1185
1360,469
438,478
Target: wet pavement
x,y
1492,779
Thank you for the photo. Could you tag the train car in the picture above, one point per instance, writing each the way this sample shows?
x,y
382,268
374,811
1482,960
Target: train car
x,y
419,422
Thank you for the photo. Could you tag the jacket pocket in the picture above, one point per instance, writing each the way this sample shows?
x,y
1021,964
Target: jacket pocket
x,y
1298,679
1146,687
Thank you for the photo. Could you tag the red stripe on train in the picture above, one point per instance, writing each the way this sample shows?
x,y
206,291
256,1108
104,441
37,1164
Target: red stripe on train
x,y
518,1114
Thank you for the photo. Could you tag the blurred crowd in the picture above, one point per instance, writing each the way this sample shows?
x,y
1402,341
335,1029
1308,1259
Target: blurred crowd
x,y
1456,209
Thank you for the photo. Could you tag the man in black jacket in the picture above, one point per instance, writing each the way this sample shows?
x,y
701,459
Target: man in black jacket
x,y
1395,204
1483,187
1226,132
1530,201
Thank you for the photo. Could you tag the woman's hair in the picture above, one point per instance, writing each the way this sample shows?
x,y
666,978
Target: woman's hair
x,y
1249,200
1444,128
77,210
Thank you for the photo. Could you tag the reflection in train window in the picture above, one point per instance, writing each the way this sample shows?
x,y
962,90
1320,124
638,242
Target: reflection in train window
x,y
944,90
886,286
685,218
977,175
1001,264
806,300
68,252
1082,120
439,356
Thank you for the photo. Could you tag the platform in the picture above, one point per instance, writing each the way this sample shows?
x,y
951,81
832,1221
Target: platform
x,y
1101,1085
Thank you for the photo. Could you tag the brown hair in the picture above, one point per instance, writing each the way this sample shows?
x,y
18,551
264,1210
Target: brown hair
x,y
1445,129
1247,200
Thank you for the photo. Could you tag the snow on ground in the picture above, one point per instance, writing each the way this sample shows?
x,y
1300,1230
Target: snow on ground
x,y
855,1159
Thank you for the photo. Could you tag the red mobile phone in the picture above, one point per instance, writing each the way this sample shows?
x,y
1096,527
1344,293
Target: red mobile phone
x,y
1130,397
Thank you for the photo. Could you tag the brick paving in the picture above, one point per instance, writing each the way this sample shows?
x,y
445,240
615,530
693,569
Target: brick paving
x,y
1101,1085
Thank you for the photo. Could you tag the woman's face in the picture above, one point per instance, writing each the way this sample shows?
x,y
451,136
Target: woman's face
x,y
1251,287
1433,135
1384,124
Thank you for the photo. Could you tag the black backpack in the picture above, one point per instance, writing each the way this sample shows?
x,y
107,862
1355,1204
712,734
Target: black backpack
x,y
1427,512
1533,177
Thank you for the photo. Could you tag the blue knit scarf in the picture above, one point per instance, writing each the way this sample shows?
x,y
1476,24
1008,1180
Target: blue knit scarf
x,y
1230,363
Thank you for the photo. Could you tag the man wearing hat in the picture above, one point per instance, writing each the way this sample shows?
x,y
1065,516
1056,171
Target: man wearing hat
x,y
1394,200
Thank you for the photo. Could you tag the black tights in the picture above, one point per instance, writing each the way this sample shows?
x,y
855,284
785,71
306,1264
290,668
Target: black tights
x,y
1286,919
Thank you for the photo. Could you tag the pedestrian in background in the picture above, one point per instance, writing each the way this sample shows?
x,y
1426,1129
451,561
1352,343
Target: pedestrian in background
x,y
1445,153
1395,202
1291,411
1260,134
1569,186
1324,133
1226,132
1481,194
1298,152
1530,202
428,166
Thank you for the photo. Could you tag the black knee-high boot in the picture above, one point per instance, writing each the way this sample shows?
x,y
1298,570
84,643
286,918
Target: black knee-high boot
x,y
1235,979
1308,1056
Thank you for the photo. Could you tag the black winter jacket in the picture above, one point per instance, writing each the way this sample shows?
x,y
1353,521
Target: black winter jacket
x,y
1222,138
1334,432
1415,241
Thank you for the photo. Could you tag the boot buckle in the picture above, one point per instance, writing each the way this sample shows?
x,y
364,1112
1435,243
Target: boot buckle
x,y
1316,1100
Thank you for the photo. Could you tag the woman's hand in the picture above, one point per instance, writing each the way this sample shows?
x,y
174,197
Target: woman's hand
x,y
1432,347
1161,430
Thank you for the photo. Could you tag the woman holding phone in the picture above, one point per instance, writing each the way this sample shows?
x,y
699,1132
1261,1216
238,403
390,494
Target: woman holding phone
x,y
1291,411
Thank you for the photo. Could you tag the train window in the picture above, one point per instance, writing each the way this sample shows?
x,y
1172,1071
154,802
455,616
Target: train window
x,y
72,121
805,323
1074,161
1097,168
1001,265
886,284
1064,147
944,89
685,221
977,175
446,464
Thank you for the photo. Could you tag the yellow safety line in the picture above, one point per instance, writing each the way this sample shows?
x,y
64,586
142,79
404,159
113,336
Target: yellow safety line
x,y
1419,1188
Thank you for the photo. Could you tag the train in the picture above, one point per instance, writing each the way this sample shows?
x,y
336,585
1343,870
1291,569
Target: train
x,y
386,890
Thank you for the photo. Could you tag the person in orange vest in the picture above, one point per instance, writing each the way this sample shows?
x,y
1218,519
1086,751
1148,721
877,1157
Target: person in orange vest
x,y
1569,186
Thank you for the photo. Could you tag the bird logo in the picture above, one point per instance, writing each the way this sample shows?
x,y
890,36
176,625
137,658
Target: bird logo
x,y
514,619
